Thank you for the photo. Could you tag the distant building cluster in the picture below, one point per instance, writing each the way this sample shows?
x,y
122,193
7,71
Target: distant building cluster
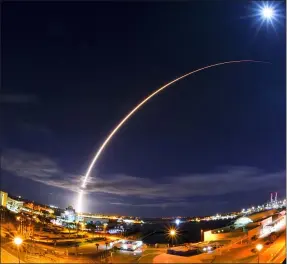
x,y
68,216
273,203
214,217
258,224
17,204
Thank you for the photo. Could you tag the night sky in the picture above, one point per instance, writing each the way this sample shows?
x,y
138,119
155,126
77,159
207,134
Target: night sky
x,y
214,142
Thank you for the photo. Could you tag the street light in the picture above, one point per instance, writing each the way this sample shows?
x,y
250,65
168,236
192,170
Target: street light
x,y
18,241
172,232
259,248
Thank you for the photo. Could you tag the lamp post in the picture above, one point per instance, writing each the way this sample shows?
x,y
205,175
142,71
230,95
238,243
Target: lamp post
x,y
172,233
18,241
105,229
259,248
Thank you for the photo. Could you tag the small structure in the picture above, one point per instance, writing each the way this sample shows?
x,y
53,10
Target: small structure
x,y
3,198
14,205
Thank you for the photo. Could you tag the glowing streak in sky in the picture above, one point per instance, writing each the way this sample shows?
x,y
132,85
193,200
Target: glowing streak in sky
x,y
133,111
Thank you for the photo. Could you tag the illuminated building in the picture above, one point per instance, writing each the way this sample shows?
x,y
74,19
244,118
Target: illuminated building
x,y
93,219
254,225
58,211
4,198
39,208
69,215
14,205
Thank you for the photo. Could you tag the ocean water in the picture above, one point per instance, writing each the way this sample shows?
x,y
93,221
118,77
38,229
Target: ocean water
x,y
186,232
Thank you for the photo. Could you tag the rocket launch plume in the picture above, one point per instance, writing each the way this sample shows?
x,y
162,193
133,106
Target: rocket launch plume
x,y
133,111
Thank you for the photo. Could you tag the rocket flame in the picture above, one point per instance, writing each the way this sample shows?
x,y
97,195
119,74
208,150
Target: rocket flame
x,y
133,111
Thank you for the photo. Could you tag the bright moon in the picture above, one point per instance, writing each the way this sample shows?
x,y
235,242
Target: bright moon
x,y
267,12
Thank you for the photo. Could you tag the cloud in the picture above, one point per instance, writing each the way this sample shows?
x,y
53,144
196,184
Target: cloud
x,y
168,191
161,204
38,168
229,180
18,98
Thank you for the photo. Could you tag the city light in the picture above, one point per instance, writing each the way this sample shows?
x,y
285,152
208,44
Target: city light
x,y
172,232
259,247
177,221
18,241
131,113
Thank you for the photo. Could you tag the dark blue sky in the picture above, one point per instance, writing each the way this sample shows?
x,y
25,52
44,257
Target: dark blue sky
x,y
213,142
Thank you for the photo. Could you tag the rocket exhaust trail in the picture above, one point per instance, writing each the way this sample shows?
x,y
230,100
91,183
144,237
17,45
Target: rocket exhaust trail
x,y
134,110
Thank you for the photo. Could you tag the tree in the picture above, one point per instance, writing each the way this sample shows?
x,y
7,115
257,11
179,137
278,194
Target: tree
x,y
77,228
97,245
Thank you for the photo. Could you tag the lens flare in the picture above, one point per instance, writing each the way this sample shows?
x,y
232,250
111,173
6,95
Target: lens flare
x,y
18,241
131,113
172,232
267,13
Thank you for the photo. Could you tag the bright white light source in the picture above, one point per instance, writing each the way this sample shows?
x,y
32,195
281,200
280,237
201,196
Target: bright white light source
x,y
172,232
259,247
18,241
177,221
267,12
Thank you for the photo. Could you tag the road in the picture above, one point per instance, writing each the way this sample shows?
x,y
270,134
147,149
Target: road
x,y
275,250
280,257
6,257
150,254
274,253
89,248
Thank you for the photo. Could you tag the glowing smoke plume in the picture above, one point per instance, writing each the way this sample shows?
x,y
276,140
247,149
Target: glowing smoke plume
x,y
133,111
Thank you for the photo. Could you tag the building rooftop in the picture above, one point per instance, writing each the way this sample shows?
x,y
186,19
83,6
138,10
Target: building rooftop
x,y
247,219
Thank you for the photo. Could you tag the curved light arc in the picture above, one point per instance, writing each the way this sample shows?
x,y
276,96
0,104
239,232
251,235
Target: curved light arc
x,y
135,109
